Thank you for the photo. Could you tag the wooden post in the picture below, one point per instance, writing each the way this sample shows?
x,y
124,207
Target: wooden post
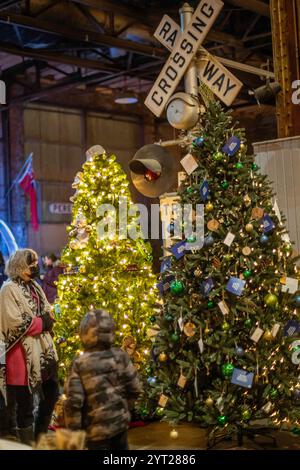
x,y
285,16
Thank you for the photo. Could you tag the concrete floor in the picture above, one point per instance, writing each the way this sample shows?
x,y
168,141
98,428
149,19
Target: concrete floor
x,y
156,436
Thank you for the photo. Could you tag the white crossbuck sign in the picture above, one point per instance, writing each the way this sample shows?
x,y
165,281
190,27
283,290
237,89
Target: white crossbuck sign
x,y
183,46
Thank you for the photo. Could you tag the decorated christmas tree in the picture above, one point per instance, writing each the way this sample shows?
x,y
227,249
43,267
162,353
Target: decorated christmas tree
x,y
227,352
105,268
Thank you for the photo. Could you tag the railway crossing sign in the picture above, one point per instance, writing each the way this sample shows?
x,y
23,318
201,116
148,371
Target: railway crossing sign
x,y
183,46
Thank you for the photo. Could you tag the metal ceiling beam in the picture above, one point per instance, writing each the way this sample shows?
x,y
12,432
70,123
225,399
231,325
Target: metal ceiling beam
x,y
80,35
8,3
116,7
59,58
252,5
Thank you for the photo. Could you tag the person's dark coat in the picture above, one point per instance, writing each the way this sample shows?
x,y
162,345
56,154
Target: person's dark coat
x,y
102,381
49,282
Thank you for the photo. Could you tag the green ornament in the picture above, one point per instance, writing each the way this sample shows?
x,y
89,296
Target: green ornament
x,y
159,412
218,156
210,304
248,323
287,248
144,412
296,431
227,369
153,319
225,184
254,166
169,317
222,420
174,337
247,274
271,300
246,415
239,166
191,239
177,287
149,370
273,393
190,190
225,326
227,257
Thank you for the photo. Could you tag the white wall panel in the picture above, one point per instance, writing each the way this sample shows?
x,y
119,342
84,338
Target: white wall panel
x,y
280,160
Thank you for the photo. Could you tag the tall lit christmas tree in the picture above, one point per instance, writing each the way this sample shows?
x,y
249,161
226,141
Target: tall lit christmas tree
x,y
227,350
104,269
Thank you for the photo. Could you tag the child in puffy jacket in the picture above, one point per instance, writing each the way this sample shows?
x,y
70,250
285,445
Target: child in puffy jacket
x,y
102,381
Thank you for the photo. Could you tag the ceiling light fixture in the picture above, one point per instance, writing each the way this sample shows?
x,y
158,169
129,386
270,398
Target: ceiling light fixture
x,y
126,97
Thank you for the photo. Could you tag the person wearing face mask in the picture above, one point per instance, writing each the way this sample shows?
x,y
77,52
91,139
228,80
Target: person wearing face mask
x,y
30,364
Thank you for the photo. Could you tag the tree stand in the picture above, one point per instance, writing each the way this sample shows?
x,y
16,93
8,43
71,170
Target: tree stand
x,y
251,433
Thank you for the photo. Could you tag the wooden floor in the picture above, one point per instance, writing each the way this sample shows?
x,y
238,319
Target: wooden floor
x,y
157,436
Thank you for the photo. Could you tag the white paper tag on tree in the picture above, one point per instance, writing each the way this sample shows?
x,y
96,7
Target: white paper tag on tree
x,y
290,286
189,163
201,345
163,400
229,239
223,307
182,381
257,334
275,329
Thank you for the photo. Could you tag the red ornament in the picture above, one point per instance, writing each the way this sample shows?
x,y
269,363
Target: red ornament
x,y
151,175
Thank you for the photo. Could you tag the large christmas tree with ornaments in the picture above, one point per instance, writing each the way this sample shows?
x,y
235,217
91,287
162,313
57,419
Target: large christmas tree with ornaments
x,y
105,269
227,352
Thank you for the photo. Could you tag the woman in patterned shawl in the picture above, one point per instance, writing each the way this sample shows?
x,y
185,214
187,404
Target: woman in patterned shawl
x,y
28,359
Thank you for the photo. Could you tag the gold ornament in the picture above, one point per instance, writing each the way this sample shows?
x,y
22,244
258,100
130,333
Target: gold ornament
x,y
213,225
249,228
246,251
257,213
80,221
78,178
196,298
247,200
207,330
243,146
74,244
209,207
174,434
189,329
268,336
82,269
162,357
197,272
129,344
209,402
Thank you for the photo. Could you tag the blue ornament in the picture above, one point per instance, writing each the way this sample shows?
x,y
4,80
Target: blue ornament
x,y
209,240
151,380
198,142
171,228
297,393
239,351
264,239
297,300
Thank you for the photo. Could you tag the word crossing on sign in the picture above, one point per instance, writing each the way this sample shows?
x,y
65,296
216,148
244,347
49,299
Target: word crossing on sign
x,y
210,70
185,49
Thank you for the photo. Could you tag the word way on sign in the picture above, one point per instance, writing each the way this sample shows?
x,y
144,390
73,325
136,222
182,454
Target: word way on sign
x,y
182,54
210,70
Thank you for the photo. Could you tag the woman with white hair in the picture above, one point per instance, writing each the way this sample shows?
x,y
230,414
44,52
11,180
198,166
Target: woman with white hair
x,y
31,359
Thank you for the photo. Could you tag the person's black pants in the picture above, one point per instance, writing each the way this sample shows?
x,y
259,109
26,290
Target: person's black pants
x,y
118,442
20,406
